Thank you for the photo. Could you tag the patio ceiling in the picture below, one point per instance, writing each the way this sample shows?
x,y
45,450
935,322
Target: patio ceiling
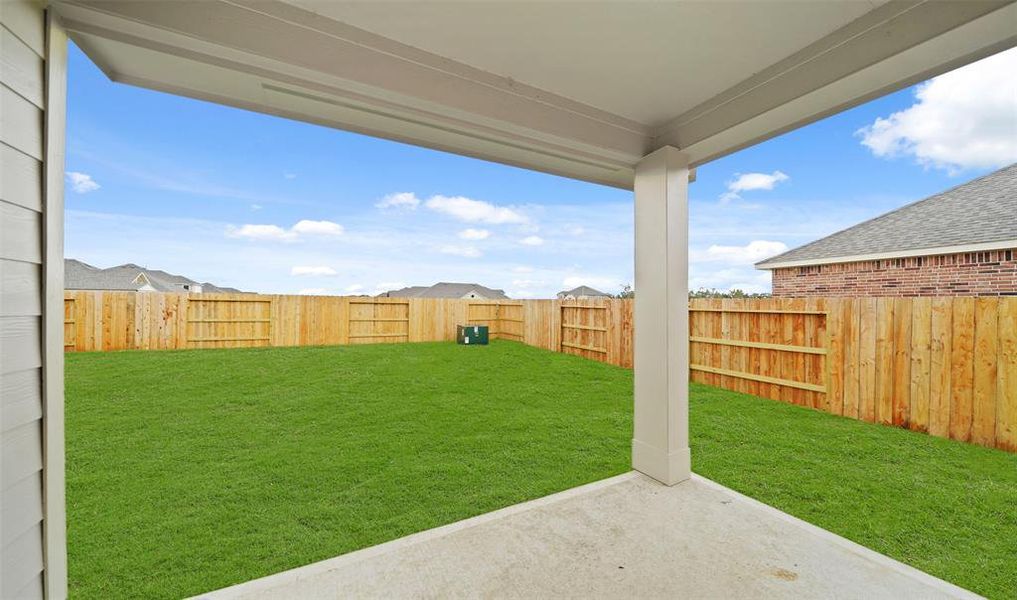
x,y
583,90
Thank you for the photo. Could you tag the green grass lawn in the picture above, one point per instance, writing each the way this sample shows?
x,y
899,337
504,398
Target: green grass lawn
x,y
192,470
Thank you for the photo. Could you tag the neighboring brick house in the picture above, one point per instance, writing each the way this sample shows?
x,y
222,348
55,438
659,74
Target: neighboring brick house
x,y
962,242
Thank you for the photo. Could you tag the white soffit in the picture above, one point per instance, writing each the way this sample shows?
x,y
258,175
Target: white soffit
x,y
632,59
582,90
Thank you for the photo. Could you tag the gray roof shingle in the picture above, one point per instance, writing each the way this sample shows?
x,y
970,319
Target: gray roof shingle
x,y
83,276
583,290
446,289
980,211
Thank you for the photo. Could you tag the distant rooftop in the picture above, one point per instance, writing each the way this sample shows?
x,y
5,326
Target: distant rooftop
x,y
446,289
132,278
978,215
583,291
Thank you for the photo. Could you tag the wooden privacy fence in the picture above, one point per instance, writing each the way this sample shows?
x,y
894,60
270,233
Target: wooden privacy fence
x,y
105,321
945,366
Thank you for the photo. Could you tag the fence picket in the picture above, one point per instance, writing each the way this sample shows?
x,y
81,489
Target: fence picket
x,y
939,366
1006,401
983,401
921,357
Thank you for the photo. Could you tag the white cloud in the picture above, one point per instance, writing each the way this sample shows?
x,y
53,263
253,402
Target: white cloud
x,y
355,288
745,182
256,207
275,233
313,271
756,181
750,253
82,183
313,292
965,119
474,234
464,251
260,233
400,200
575,230
522,269
726,267
474,211
325,228
745,279
533,240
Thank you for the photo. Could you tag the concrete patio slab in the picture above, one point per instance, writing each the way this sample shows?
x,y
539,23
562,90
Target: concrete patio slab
x,y
624,537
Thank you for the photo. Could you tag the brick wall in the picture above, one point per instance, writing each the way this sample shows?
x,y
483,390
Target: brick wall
x,y
991,273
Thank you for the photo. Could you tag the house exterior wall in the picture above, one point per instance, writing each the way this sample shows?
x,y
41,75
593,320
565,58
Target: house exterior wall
x,y
32,555
21,230
989,273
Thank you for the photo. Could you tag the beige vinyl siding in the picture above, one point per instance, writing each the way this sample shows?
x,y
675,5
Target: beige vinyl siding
x,y
23,69
20,175
25,19
20,282
20,123
22,151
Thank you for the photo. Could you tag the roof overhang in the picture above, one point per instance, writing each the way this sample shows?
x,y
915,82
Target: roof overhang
x,y
938,251
579,92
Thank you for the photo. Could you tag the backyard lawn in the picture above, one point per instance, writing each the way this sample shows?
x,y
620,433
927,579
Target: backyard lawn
x,y
192,470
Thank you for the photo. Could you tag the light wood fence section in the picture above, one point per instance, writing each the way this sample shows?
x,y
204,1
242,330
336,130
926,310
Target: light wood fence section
x,y
945,366
228,322
505,320
584,331
776,349
376,320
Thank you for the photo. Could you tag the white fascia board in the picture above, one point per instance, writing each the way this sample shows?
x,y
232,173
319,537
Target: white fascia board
x,y
917,43
938,251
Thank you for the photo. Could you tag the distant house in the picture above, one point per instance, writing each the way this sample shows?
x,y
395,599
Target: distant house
x,y
133,278
961,242
466,291
582,292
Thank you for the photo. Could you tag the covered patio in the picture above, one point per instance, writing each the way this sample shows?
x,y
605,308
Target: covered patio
x,y
628,95
624,537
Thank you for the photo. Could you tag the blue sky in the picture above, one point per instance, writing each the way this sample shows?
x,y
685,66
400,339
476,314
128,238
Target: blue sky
x,y
270,205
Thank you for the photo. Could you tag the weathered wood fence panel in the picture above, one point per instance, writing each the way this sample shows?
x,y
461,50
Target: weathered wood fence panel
x,y
776,349
945,366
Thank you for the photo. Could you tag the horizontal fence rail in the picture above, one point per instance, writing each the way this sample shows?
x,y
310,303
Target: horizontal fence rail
x,y
944,366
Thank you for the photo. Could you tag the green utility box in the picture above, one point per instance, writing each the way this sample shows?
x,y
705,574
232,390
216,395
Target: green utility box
x,y
471,335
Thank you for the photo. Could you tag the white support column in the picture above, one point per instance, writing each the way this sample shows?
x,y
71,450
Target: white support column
x,y
660,443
